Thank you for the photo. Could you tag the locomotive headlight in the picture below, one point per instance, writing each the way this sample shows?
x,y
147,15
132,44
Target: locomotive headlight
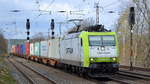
x,y
92,59
102,48
114,59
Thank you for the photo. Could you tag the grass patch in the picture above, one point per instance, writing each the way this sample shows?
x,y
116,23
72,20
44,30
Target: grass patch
x,y
5,75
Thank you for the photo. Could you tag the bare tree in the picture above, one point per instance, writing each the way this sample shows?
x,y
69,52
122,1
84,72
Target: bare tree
x,y
143,11
82,25
141,34
3,44
38,37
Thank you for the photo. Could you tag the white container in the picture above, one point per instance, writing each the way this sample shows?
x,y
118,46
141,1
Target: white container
x,y
37,48
53,48
31,48
44,49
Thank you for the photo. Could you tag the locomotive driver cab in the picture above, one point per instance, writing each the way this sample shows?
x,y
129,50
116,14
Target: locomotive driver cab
x,y
102,46
103,52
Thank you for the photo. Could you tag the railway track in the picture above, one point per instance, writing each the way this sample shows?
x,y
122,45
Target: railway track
x,y
127,77
34,77
121,81
135,75
121,77
134,68
59,76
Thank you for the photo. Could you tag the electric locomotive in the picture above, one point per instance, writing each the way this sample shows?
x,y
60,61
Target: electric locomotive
x,y
90,52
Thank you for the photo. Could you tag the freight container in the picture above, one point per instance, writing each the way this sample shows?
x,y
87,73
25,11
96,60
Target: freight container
x,y
18,49
13,49
37,48
27,45
53,46
21,53
32,49
14,42
23,49
44,49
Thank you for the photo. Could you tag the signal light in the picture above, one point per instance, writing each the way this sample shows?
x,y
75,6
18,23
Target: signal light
x,y
28,24
28,38
52,24
52,28
28,33
132,16
53,33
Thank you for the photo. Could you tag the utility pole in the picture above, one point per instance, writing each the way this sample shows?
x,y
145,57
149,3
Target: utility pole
x,y
60,29
131,23
97,13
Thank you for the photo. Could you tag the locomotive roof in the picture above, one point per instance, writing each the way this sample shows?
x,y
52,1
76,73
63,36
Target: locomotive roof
x,y
76,35
93,28
72,35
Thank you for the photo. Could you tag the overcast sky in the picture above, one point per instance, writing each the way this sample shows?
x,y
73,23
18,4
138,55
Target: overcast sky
x,y
40,12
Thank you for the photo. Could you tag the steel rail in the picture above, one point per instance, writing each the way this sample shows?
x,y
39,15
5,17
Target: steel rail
x,y
37,72
134,75
25,75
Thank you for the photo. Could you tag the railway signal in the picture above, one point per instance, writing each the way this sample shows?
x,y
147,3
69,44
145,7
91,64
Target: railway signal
x,y
131,24
28,24
28,33
52,28
28,27
131,16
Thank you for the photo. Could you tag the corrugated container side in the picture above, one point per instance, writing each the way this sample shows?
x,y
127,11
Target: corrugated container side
x,y
31,48
13,49
44,48
37,49
14,42
24,49
18,49
53,48
27,47
21,49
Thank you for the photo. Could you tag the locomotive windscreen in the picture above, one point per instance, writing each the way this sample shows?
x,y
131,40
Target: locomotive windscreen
x,y
105,40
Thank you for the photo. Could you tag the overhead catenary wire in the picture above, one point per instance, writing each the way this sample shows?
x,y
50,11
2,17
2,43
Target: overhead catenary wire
x,y
50,4
110,4
41,11
45,10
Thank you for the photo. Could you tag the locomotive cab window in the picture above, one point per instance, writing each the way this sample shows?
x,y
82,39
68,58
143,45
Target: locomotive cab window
x,y
107,40
81,42
95,40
